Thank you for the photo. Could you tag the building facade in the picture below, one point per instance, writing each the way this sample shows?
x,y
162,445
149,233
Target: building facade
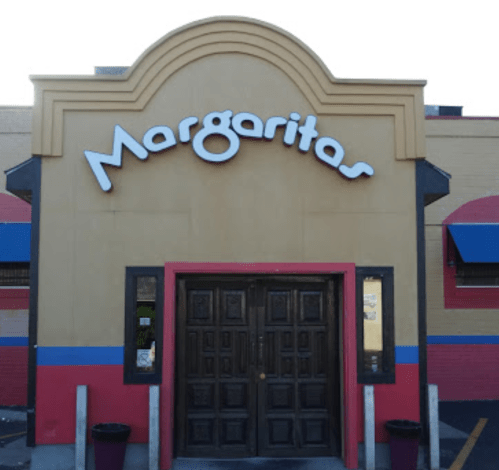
x,y
228,220
15,232
462,259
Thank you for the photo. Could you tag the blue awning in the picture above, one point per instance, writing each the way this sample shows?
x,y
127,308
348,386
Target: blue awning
x,y
476,243
15,239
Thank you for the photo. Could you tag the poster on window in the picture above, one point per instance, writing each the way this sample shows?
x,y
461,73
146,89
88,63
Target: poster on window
x,y
144,358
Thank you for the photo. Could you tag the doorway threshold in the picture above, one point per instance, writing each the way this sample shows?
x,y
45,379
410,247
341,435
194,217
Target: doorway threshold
x,y
259,463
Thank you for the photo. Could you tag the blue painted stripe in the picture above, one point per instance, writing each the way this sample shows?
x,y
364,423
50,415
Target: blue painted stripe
x,y
406,355
79,356
113,355
14,341
463,339
15,241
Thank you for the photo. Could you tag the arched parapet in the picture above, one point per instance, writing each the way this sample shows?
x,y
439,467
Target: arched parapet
x,y
401,100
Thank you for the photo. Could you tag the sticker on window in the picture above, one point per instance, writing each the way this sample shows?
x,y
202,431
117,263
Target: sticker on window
x,y
370,315
144,358
370,300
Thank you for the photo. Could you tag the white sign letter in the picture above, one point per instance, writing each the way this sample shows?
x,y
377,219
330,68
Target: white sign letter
x,y
216,124
272,124
308,133
237,125
356,170
96,160
168,139
184,128
291,129
339,153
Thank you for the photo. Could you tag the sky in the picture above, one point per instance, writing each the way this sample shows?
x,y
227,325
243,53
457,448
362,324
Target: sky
x,y
452,45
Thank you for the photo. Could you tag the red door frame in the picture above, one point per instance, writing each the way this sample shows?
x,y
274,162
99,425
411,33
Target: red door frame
x,y
349,405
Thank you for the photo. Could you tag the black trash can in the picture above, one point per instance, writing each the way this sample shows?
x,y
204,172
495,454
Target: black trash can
x,y
110,445
404,443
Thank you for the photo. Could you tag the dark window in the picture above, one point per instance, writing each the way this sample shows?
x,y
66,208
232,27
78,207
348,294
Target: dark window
x,y
375,332
468,285
143,325
476,274
14,274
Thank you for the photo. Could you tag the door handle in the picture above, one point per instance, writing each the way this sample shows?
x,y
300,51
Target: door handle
x,y
260,350
253,349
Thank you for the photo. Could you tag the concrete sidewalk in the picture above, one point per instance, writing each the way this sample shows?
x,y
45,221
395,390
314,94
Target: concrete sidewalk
x,y
455,429
328,463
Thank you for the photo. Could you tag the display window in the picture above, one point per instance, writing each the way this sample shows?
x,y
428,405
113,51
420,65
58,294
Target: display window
x,y
143,325
375,341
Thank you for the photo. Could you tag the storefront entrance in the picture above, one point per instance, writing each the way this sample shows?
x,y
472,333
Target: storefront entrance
x,y
257,366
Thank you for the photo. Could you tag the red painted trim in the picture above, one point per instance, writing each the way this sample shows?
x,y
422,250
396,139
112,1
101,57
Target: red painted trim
x,y
14,293
350,368
392,401
462,118
167,388
109,400
482,210
349,338
464,371
14,299
463,297
13,375
13,209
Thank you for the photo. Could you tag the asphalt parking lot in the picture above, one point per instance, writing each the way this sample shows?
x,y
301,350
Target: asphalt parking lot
x,y
13,451
459,419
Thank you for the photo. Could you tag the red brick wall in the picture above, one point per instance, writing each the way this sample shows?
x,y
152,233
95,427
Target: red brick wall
x,y
13,375
464,371
392,401
14,304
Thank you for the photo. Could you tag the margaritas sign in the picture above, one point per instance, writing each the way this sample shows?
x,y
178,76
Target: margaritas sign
x,y
160,138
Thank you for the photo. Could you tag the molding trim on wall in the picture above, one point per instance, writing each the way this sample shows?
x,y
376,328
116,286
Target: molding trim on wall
x,y
402,100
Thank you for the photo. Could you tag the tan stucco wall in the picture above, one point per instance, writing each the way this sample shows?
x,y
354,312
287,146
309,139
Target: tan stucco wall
x,y
15,138
269,203
468,150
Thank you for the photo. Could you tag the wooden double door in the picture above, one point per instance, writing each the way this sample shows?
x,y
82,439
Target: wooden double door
x,y
257,367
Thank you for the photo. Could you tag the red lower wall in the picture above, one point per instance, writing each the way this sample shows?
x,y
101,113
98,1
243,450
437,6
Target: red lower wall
x,y
13,375
109,400
14,355
464,371
392,401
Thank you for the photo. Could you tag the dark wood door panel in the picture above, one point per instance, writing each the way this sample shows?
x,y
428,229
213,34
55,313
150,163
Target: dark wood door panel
x,y
256,367
215,405
296,410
